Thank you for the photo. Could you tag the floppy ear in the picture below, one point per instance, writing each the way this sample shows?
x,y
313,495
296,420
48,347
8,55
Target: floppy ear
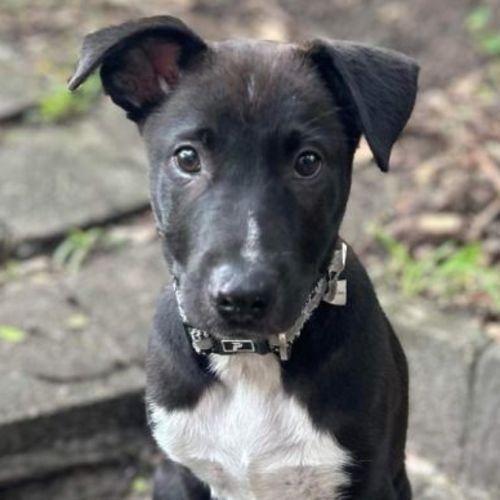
x,y
378,85
141,61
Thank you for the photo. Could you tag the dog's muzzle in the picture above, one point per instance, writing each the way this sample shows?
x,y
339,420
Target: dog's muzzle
x,y
329,288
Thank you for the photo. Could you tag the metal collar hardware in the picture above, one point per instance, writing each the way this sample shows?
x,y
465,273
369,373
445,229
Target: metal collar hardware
x,y
328,289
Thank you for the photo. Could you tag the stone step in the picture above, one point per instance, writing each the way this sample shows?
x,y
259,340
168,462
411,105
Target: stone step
x,y
75,388
454,387
57,177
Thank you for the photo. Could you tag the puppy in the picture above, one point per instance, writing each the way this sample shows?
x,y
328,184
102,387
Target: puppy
x,y
273,372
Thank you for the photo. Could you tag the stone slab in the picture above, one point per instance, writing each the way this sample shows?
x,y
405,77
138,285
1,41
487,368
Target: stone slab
x,y
57,177
429,483
79,436
20,87
482,447
441,349
371,199
58,366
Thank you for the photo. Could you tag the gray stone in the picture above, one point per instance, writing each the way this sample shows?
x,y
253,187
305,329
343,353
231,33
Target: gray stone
x,y
20,87
61,176
75,388
109,480
440,350
372,198
121,292
429,483
482,447
60,366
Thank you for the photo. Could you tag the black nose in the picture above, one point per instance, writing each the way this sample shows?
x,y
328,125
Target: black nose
x,y
241,298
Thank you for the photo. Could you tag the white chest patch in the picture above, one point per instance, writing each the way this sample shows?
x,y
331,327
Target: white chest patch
x,y
248,440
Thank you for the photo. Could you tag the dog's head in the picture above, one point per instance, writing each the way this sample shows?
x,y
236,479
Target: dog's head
x,y
251,146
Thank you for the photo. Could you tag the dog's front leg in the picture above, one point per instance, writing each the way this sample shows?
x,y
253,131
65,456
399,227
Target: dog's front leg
x,y
387,489
175,482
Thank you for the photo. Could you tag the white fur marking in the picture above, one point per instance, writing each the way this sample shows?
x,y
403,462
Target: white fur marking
x,y
251,247
249,440
251,87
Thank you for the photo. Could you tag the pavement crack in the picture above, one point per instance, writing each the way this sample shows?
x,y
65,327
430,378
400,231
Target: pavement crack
x,y
80,379
478,353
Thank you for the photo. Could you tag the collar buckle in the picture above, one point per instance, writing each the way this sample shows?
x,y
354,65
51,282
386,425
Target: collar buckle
x,y
234,346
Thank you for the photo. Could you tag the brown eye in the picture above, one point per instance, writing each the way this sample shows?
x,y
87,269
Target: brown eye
x,y
187,160
308,164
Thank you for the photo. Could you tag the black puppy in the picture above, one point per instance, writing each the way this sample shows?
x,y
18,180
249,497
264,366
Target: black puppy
x,y
273,372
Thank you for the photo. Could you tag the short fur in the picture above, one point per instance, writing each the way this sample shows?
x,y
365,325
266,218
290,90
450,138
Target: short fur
x,y
330,422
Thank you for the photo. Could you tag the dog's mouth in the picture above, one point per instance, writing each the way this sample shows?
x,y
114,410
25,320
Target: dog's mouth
x,y
284,315
250,332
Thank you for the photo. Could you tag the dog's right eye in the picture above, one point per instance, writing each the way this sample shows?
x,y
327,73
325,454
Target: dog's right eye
x,y
188,160
307,164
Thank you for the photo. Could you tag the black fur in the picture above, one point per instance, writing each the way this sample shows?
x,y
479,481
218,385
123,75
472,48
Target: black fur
x,y
250,108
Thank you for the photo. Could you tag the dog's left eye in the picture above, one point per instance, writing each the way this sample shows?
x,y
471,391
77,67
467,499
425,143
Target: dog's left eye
x,y
308,164
188,160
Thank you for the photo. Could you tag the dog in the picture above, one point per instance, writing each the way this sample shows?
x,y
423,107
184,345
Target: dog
x,y
272,372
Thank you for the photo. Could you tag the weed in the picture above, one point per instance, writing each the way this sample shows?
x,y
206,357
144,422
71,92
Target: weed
x,y
480,24
76,247
448,271
59,104
12,334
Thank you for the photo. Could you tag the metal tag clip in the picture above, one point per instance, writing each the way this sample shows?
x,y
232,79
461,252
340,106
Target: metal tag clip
x,y
284,347
337,289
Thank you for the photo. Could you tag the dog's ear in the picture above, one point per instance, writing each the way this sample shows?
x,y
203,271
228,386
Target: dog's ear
x,y
141,61
378,85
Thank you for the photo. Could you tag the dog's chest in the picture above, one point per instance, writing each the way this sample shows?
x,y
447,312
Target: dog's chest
x,y
248,440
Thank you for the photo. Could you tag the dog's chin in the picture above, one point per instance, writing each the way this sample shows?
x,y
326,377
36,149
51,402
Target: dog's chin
x,y
254,332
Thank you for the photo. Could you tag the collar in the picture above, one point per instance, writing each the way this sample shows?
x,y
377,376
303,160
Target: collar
x,y
329,288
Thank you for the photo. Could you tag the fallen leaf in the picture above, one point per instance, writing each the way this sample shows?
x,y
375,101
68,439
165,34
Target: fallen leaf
x,y
12,334
77,321
140,485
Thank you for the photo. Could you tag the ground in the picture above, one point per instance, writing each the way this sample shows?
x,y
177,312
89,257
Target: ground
x,y
78,248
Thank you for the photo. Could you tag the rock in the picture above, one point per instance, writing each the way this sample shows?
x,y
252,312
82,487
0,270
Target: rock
x,y
21,87
373,195
75,381
57,177
58,366
441,350
429,483
482,457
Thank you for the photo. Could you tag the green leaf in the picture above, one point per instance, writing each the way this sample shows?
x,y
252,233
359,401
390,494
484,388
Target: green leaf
x,y
59,104
491,44
479,18
77,246
140,485
12,334
77,321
